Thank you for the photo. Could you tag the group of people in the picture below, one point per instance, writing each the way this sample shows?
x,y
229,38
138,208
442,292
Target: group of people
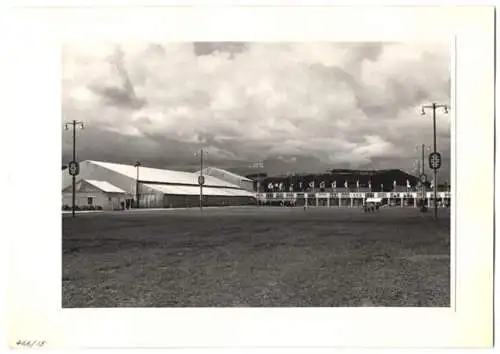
x,y
290,203
371,208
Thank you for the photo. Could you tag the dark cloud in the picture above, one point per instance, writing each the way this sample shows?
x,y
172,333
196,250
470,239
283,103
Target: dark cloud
x,y
207,48
299,107
117,96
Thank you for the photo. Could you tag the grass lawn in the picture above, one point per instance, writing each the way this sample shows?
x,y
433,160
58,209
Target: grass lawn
x,y
272,257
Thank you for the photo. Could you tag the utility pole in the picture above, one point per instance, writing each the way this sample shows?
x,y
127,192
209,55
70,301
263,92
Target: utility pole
x,y
421,168
434,106
201,184
137,165
423,158
201,178
259,167
74,124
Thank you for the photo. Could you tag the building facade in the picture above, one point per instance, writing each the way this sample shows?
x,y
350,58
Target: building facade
x,y
157,188
353,199
94,194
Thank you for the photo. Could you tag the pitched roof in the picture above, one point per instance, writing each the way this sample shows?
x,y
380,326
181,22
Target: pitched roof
x,y
148,174
221,172
104,186
195,190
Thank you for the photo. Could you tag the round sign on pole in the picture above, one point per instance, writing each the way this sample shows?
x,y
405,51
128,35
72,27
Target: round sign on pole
x,y
435,160
74,168
201,180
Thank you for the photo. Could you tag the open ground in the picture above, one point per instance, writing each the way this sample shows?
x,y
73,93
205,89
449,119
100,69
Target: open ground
x,y
256,256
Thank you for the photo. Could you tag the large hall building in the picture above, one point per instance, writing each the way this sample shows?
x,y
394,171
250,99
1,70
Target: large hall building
x,y
116,186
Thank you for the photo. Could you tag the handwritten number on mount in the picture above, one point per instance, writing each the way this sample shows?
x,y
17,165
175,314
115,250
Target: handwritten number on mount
x,y
31,343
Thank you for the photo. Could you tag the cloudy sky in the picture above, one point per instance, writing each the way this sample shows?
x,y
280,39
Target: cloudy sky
x,y
298,107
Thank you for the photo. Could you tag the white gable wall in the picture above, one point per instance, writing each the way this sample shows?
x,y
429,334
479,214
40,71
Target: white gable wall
x,y
106,201
91,171
88,170
84,190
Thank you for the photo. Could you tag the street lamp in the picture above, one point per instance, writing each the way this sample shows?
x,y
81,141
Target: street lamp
x,y
137,165
421,171
201,178
74,124
434,106
258,166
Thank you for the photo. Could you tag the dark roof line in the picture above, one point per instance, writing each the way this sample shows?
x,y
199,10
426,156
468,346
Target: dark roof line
x,y
188,185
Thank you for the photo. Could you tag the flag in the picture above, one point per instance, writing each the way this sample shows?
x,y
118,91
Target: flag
x,y
408,185
345,184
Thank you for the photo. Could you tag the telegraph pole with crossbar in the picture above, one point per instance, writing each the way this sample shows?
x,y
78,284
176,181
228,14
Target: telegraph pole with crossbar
x,y
434,106
73,167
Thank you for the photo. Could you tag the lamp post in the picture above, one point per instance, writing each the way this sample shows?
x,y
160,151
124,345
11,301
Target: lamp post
x,y
434,106
137,165
259,167
201,178
421,149
74,124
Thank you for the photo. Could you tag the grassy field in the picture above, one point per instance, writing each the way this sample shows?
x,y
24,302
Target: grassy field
x,y
272,257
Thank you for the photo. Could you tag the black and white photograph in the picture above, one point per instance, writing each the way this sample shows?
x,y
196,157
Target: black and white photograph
x,y
250,176
254,174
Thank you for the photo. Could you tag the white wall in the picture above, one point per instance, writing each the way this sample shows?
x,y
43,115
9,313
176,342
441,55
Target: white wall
x,y
247,185
149,198
89,170
92,171
100,199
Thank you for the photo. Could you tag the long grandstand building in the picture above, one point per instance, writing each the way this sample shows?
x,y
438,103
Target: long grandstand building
x,y
347,188
353,199
113,186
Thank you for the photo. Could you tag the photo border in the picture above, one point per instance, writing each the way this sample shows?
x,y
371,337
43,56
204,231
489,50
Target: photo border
x,y
35,258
